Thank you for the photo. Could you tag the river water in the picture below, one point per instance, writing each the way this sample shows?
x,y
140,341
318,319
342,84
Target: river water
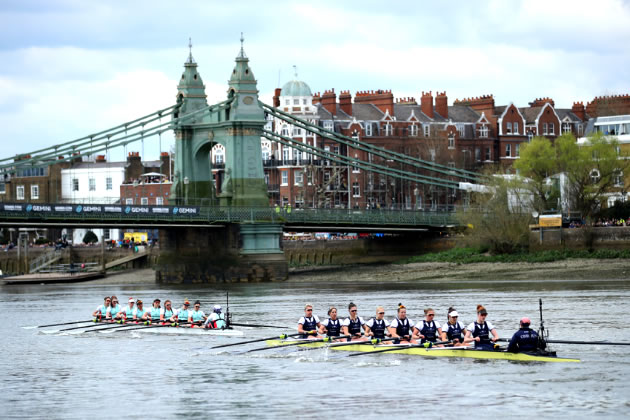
x,y
138,375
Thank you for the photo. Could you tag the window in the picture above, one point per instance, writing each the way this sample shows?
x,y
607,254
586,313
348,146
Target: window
x,y
75,184
356,190
530,135
336,149
267,178
108,184
580,130
298,155
327,153
595,175
355,167
552,130
328,125
285,154
515,128
368,129
3,188
451,141
545,129
297,131
159,201
508,150
34,192
266,153
388,129
508,128
218,158
451,165
618,178
488,156
285,130
483,131
106,234
299,177
144,201
517,150
566,128
287,102
461,129
296,102
19,192
432,153
413,130
285,177
92,184
303,101
426,130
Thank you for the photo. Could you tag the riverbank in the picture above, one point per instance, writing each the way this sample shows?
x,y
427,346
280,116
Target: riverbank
x,y
573,269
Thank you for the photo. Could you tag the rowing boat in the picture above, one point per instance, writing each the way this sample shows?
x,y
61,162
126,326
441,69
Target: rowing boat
x,y
431,352
187,331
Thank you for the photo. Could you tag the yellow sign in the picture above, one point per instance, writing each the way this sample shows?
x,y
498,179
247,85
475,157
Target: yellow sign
x,y
550,220
137,237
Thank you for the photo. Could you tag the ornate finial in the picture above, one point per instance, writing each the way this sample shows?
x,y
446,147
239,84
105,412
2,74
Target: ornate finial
x,y
242,53
295,71
190,60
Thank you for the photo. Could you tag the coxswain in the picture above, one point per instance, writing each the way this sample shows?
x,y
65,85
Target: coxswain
x,y
168,314
354,324
115,308
453,329
140,311
400,327
196,316
128,313
183,312
103,311
377,326
525,340
216,319
309,323
331,326
480,330
428,330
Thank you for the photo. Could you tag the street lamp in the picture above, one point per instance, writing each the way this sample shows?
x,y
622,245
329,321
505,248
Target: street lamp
x,y
186,181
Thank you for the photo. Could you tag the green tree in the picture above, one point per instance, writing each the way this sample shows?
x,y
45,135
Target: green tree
x,y
538,162
89,237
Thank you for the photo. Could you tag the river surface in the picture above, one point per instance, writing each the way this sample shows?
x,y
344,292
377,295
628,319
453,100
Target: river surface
x,y
140,375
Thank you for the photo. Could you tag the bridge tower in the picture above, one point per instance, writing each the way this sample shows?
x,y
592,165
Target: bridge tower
x,y
237,126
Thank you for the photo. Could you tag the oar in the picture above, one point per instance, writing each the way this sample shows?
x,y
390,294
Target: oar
x,y
281,337
318,340
56,325
96,324
144,327
257,326
428,344
372,342
605,343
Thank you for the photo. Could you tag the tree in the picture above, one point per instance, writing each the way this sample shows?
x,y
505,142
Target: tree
x,y
537,162
590,169
89,237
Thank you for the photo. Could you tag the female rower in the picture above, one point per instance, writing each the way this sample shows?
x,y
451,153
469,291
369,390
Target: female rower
x,y
196,316
332,326
128,312
479,331
168,313
141,313
428,329
103,311
401,325
309,323
182,314
353,324
154,313
453,329
115,308
377,326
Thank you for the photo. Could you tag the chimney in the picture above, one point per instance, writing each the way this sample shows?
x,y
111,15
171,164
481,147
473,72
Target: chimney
x,y
100,159
542,102
276,97
345,102
329,101
382,99
579,110
164,162
426,104
316,98
441,104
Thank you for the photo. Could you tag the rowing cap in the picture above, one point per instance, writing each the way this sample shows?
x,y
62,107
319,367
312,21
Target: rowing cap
x,y
186,302
217,308
453,314
525,320
132,300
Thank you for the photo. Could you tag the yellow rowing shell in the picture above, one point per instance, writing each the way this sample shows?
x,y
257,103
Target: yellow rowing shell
x,y
432,352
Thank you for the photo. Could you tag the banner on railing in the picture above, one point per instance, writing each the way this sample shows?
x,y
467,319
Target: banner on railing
x,y
177,211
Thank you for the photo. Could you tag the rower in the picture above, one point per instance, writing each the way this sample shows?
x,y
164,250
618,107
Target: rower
x,y
428,330
115,308
453,329
480,330
153,314
401,325
103,311
377,326
183,312
129,311
140,311
216,319
332,326
525,340
353,324
309,323
196,316
168,313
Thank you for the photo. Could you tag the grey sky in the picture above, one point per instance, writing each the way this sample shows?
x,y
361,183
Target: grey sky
x,y
74,67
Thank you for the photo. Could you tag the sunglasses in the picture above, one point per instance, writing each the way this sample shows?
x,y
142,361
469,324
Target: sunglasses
x,y
309,310
381,313
483,314
430,314
354,310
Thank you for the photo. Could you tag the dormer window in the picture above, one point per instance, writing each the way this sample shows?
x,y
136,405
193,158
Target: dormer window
x,y
426,131
368,129
566,128
451,141
388,129
483,131
413,130
328,125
